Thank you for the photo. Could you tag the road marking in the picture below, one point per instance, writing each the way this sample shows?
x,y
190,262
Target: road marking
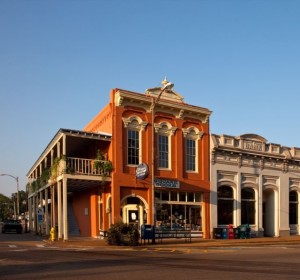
x,y
20,250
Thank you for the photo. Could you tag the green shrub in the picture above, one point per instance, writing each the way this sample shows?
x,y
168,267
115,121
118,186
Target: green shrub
x,y
123,234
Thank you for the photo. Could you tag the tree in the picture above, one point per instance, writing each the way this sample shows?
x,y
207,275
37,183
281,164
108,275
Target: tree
x,y
23,201
6,207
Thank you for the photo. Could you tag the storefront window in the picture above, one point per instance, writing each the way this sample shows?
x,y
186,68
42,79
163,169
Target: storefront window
x,y
157,194
182,196
293,216
197,197
225,205
174,196
248,206
190,197
165,195
176,215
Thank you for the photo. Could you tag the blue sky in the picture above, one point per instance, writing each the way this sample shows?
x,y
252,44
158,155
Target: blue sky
x,y
60,59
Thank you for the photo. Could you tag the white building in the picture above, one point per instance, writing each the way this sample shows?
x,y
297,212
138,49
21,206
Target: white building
x,y
254,182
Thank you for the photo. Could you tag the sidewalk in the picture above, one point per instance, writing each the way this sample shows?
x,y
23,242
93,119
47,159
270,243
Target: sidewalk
x,y
196,242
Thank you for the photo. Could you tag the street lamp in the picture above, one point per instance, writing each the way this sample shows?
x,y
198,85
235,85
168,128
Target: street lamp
x,y
167,86
17,180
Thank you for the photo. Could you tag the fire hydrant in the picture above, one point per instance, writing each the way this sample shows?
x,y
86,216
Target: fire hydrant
x,y
52,234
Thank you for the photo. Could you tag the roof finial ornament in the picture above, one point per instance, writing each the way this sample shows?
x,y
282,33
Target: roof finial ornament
x,y
165,81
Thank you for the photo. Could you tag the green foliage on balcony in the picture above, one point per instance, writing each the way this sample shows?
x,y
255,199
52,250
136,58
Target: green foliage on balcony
x,y
102,165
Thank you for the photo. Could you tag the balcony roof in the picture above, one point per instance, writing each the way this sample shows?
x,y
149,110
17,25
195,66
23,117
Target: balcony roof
x,y
78,135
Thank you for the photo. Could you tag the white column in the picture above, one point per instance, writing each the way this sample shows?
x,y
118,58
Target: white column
x,y
237,218
53,207
30,213
46,211
33,225
65,209
259,205
41,226
59,210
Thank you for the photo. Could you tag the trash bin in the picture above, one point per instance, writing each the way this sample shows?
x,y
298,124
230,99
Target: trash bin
x,y
236,233
230,232
217,233
244,231
224,233
248,231
147,232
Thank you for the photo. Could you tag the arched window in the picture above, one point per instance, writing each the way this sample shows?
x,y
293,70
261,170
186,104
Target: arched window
x,y
248,206
293,211
225,205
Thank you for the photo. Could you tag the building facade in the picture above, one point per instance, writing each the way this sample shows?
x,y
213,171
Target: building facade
x,y
158,149
254,182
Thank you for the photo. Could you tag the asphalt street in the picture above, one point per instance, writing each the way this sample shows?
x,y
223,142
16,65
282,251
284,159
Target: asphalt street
x,y
29,256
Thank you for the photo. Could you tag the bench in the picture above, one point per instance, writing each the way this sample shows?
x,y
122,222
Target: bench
x,y
162,234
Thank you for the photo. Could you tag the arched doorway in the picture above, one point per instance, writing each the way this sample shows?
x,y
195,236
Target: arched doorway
x,y
133,211
269,212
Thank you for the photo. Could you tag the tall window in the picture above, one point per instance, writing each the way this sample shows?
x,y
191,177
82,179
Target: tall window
x,y
133,147
248,206
163,151
225,205
190,154
134,126
293,211
192,136
165,130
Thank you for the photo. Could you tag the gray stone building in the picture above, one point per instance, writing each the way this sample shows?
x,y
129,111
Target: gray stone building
x,y
254,182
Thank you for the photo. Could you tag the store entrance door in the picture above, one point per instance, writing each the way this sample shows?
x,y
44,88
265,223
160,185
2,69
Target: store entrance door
x,y
133,214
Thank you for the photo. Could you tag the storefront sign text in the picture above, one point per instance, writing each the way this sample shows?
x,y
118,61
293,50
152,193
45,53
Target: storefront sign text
x,y
165,183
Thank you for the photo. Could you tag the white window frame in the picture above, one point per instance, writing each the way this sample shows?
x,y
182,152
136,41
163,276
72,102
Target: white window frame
x,y
165,129
134,123
192,133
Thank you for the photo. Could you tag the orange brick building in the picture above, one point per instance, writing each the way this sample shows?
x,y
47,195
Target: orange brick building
x,y
156,123
159,149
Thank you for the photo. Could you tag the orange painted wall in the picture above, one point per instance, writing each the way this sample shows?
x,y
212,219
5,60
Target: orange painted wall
x,y
101,122
86,220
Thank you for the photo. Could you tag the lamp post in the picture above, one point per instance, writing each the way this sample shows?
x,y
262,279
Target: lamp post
x,y
17,180
166,86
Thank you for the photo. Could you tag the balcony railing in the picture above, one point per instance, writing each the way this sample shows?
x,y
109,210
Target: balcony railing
x,y
74,166
88,166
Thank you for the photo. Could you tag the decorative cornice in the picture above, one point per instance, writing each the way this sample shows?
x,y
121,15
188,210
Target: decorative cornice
x,y
177,109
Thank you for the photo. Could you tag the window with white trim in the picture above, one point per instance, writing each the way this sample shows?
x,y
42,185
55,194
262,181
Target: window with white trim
x,y
163,151
191,135
133,147
165,131
190,154
135,126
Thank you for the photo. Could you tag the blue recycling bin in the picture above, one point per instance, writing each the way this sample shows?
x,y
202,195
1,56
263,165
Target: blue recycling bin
x,y
147,232
224,233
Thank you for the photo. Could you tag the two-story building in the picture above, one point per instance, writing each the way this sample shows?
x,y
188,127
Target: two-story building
x,y
143,159
254,182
